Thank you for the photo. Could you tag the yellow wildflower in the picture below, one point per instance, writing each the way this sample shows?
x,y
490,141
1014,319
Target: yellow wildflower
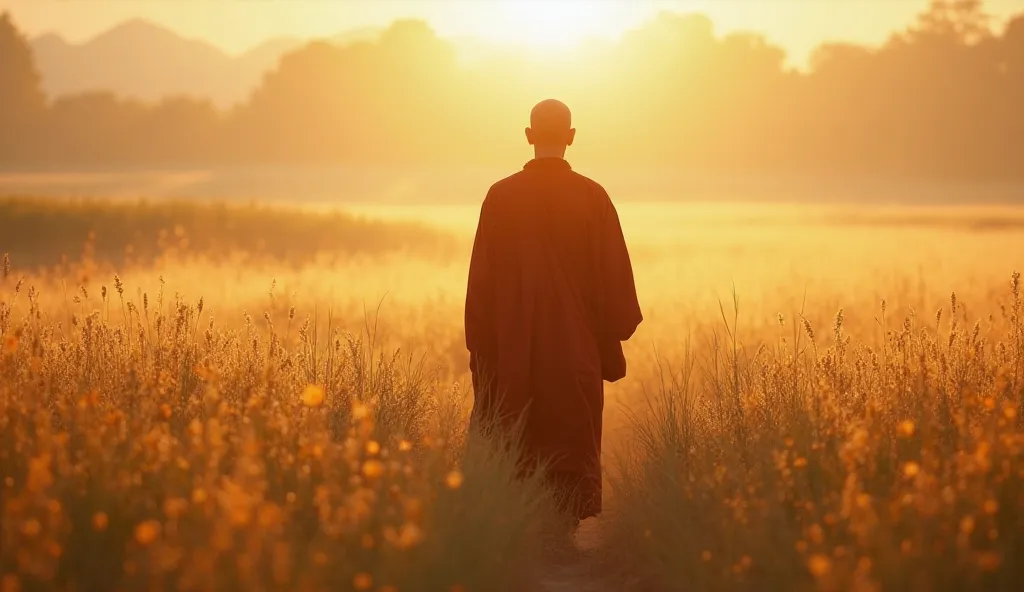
x,y
31,528
907,428
362,581
360,411
819,565
409,536
100,521
313,396
453,480
147,532
373,469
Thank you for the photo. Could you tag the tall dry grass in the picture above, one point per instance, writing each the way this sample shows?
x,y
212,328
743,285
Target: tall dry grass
x,y
816,462
142,446
109,384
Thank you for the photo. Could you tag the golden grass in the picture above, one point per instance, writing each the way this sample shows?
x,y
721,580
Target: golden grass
x,y
800,465
151,449
306,428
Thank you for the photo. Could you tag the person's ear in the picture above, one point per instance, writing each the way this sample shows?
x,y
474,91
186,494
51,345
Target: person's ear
x,y
529,136
571,137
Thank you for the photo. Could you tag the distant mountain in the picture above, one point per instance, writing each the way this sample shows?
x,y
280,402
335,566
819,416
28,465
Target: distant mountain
x,y
141,60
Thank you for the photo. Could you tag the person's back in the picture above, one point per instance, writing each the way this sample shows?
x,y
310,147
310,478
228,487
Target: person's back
x,y
550,298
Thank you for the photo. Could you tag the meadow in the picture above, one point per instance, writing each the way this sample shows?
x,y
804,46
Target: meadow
x,y
197,395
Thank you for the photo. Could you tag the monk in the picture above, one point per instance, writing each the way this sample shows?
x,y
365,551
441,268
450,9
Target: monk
x,y
550,298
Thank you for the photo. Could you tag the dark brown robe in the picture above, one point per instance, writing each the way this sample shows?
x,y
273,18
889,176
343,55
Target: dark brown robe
x,y
550,288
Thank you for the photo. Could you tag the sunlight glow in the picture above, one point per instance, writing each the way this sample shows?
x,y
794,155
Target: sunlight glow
x,y
553,24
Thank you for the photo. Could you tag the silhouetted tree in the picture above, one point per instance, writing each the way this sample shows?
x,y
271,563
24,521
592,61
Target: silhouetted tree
x,y
959,21
185,130
382,100
22,102
1012,55
96,128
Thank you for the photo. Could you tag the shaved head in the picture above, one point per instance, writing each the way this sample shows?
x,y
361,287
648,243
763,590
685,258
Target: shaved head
x,y
551,116
550,125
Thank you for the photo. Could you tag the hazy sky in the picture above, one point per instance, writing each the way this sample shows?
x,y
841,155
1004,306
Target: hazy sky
x,y
236,25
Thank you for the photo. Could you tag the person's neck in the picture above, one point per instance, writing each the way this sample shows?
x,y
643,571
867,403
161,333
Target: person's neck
x,y
549,152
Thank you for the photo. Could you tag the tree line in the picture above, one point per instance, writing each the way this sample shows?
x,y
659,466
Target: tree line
x,y
943,98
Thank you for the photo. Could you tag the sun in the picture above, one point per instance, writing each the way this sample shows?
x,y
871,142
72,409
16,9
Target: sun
x,y
554,24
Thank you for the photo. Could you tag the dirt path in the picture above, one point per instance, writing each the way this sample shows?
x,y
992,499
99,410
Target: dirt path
x,y
581,575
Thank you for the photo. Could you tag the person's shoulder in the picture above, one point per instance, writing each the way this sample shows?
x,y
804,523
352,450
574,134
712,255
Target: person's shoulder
x,y
506,183
504,187
594,189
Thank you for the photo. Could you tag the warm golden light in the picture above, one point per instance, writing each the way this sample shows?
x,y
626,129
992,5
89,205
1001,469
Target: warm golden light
x,y
289,300
555,24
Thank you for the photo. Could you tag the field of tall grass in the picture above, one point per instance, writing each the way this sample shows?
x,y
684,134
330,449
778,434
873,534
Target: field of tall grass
x,y
145,447
819,462
817,399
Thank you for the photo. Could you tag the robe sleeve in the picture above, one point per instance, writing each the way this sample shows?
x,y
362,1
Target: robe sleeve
x,y
620,308
479,321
